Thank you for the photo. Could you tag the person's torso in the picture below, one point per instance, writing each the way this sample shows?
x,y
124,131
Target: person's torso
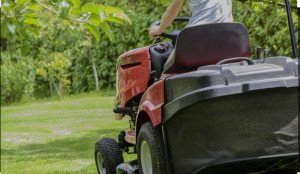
x,y
210,11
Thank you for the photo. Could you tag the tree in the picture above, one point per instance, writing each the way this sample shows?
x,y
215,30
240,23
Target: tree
x,y
25,15
24,19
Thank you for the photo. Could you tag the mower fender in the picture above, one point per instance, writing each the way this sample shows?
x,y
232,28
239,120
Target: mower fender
x,y
151,104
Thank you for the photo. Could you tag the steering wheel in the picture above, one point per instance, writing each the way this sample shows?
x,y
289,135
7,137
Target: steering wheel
x,y
170,35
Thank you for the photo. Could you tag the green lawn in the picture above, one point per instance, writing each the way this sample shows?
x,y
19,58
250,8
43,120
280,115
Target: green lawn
x,y
56,136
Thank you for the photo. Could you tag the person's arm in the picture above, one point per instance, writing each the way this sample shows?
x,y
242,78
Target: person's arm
x,y
169,15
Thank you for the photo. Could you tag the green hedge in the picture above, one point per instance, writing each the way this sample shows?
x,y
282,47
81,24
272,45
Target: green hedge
x,y
267,25
20,76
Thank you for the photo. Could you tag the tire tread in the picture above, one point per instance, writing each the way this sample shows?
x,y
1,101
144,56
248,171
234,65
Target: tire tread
x,y
156,145
112,155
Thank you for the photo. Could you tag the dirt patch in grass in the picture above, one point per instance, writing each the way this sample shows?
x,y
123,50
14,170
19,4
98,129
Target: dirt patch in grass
x,y
21,137
62,132
17,140
98,112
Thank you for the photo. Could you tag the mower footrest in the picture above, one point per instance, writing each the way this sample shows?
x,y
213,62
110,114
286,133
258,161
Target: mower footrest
x,y
130,137
130,167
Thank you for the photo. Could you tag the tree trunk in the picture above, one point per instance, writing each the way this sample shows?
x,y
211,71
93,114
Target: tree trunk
x,y
51,87
58,89
94,69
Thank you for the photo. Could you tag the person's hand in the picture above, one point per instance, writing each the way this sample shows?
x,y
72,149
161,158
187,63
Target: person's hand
x,y
154,31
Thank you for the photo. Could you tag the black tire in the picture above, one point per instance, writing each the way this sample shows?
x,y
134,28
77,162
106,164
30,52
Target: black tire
x,y
108,149
153,137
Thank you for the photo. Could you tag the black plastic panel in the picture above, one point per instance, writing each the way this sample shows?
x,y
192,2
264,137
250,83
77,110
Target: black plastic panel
x,y
275,164
221,80
159,56
222,129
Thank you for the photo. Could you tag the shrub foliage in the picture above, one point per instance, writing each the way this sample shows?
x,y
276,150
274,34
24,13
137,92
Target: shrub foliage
x,y
44,53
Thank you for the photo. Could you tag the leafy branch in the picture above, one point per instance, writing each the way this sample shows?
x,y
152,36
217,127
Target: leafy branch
x,y
57,13
93,16
47,8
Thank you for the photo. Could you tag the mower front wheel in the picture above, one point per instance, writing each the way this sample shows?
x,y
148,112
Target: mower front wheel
x,y
150,150
107,156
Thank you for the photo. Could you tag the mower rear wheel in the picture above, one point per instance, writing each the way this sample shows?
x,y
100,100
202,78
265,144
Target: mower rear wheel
x,y
150,150
107,156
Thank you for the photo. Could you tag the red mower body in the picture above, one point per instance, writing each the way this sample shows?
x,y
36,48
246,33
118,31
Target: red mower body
x,y
133,70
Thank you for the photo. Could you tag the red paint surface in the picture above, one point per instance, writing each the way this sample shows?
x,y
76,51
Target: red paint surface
x,y
130,137
132,80
152,101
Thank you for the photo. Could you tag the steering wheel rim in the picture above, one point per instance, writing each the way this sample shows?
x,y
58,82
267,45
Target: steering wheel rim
x,y
169,35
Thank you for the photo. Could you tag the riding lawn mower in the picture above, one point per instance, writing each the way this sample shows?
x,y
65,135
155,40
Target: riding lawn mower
x,y
208,109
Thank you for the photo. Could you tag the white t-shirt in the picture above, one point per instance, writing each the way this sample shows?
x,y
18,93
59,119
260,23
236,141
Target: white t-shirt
x,y
210,11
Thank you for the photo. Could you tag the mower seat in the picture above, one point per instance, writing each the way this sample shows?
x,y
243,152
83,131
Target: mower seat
x,y
208,44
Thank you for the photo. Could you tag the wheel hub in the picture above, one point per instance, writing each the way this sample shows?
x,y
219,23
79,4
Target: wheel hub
x,y
100,163
146,158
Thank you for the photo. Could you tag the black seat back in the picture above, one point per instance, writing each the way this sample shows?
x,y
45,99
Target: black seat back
x,y
208,44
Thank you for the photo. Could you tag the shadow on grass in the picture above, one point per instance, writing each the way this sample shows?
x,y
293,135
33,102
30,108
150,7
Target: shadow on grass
x,y
89,169
81,148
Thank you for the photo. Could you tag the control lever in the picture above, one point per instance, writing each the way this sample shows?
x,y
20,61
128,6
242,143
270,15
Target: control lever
x,y
258,52
152,74
157,40
123,110
266,52
159,48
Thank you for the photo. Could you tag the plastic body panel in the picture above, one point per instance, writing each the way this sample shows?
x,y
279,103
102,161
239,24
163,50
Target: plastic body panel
x,y
159,55
152,102
221,80
234,127
133,70
232,112
252,165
